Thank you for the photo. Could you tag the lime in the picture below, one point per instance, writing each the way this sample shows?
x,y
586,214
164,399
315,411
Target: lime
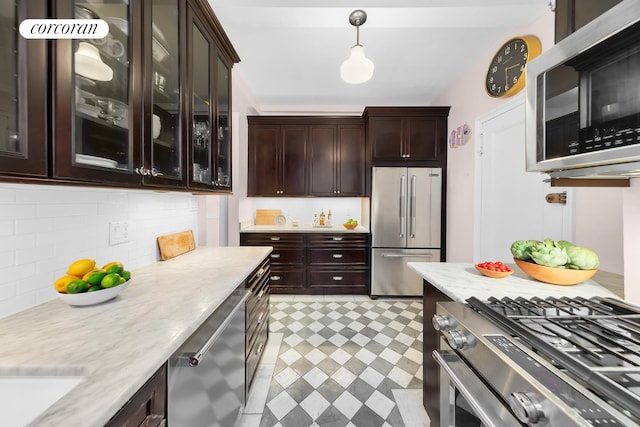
x,y
94,277
94,288
77,286
114,268
126,274
110,280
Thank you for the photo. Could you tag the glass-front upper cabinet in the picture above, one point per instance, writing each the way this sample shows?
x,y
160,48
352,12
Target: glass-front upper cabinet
x,y
164,158
23,88
95,112
223,124
201,108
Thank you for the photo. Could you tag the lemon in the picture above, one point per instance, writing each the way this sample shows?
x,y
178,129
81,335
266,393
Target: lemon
x,y
81,267
77,286
94,277
61,283
110,280
113,267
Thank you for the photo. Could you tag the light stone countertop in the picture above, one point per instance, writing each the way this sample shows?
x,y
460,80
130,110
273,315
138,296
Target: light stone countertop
x,y
461,281
302,228
119,344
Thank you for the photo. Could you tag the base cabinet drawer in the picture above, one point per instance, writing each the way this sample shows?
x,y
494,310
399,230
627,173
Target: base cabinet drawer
x,y
286,279
338,256
338,278
255,353
286,256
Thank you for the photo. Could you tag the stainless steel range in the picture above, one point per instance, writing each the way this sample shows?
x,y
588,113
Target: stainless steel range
x,y
539,362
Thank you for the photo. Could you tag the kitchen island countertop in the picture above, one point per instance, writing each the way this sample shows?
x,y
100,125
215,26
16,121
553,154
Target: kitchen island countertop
x,y
302,228
460,281
118,345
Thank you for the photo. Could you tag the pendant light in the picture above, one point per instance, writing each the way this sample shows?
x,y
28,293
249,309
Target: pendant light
x,y
358,68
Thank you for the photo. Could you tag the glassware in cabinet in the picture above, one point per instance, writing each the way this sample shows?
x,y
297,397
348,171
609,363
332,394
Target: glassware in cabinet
x,y
23,83
93,92
163,138
201,137
223,123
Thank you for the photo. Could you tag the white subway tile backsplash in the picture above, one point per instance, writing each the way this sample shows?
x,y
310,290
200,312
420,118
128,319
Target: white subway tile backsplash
x,y
7,227
11,211
45,228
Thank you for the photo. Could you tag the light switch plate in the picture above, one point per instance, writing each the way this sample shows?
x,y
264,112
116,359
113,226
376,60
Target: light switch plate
x,y
118,232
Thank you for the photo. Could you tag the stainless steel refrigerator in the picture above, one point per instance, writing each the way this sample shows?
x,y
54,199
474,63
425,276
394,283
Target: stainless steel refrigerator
x,y
406,213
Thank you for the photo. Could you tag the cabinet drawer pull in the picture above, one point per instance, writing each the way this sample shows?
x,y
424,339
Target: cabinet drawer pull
x,y
259,350
274,238
260,294
260,318
337,277
276,256
337,256
275,277
260,272
337,239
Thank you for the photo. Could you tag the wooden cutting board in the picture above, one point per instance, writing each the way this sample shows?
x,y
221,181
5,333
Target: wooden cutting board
x,y
267,216
172,245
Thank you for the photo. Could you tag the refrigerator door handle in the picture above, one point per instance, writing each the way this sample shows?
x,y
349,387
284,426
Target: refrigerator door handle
x,y
403,204
393,255
412,208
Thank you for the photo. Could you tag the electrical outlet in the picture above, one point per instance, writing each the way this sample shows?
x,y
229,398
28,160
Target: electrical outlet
x,y
118,232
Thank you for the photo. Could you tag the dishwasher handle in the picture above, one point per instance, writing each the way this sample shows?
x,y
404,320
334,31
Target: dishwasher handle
x,y
194,360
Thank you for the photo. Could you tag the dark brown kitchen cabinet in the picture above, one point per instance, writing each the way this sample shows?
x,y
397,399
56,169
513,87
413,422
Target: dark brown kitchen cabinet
x,y
256,319
571,15
338,263
287,259
146,106
277,159
148,407
337,159
23,104
306,156
315,263
407,135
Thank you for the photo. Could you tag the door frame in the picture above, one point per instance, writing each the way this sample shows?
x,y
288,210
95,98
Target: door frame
x,y
568,227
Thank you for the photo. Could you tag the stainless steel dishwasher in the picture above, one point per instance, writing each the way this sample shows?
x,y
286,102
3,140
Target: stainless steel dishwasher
x,y
206,378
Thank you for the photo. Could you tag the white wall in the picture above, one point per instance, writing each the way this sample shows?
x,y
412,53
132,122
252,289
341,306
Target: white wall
x,y
631,238
45,228
302,209
468,100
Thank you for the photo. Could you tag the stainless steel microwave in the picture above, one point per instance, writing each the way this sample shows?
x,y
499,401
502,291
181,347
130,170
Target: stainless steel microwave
x,y
583,100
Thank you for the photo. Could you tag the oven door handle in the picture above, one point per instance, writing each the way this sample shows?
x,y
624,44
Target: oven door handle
x,y
493,414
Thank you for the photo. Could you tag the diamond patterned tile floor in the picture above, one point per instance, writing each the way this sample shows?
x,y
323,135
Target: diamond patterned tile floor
x,y
342,363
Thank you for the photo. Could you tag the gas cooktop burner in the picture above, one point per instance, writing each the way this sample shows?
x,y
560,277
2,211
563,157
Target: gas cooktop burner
x,y
596,341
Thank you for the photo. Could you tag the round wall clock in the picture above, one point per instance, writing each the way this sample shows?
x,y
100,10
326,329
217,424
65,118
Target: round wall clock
x,y
506,73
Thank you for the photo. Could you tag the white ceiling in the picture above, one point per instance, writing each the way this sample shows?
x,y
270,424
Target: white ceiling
x,y
291,50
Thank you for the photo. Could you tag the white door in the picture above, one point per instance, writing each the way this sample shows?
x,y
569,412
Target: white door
x,y
510,203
